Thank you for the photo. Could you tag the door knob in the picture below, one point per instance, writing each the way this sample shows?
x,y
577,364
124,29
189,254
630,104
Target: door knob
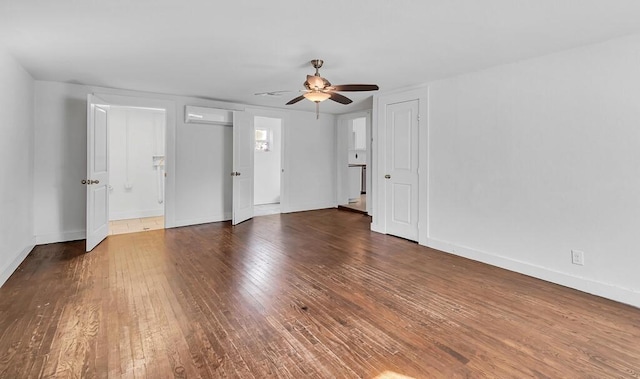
x,y
84,181
387,176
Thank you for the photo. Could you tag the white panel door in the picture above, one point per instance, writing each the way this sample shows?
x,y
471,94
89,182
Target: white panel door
x,y
97,173
243,148
401,171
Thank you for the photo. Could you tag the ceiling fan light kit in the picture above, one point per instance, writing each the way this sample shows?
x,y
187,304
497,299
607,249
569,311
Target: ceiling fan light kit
x,y
319,89
317,96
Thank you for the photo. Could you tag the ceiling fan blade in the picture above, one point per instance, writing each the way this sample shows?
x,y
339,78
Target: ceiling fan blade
x,y
340,99
293,101
355,87
273,93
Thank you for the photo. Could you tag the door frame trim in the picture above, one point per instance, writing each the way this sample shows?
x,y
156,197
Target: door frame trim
x,y
378,159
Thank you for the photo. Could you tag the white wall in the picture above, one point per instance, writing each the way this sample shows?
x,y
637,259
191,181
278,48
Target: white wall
x,y
203,161
310,161
60,161
267,164
16,165
136,136
530,160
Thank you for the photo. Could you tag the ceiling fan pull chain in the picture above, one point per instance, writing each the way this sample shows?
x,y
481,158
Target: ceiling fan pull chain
x,y
317,110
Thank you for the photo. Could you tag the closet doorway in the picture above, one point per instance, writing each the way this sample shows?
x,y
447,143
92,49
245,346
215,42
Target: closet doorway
x,y
354,161
268,151
136,169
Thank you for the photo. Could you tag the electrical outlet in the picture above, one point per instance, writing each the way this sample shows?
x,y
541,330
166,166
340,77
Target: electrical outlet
x,y
577,257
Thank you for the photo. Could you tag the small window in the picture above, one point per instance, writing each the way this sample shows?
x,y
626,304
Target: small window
x,y
262,140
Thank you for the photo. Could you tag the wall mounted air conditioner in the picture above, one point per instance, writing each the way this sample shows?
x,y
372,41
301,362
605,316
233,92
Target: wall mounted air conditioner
x,y
202,115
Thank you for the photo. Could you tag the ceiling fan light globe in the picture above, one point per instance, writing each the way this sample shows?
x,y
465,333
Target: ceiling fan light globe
x,y
317,96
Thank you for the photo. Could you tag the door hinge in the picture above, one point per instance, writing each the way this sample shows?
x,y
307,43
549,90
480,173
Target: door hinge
x,y
418,118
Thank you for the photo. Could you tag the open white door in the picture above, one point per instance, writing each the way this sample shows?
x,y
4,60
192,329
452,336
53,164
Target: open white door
x,y
97,173
243,148
401,171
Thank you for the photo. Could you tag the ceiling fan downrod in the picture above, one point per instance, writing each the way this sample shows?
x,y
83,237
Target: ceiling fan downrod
x,y
317,63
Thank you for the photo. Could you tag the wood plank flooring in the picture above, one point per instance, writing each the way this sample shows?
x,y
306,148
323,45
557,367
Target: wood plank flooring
x,y
304,295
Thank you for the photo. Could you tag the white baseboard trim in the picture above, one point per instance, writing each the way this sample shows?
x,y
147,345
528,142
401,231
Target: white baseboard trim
x,y
202,220
13,266
43,239
309,207
125,215
609,291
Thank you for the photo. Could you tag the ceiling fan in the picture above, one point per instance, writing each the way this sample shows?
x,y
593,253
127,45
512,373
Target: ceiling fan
x,y
319,89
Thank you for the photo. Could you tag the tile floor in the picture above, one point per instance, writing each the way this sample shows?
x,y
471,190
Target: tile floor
x,y
134,225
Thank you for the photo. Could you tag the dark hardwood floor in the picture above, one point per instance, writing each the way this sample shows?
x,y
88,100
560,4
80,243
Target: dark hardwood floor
x,y
304,295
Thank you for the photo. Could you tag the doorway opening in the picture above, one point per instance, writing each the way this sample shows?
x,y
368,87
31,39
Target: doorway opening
x,y
136,169
356,181
267,166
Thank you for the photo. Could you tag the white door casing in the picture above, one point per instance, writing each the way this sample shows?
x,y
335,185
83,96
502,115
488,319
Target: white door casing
x,y
243,150
401,169
97,172
342,159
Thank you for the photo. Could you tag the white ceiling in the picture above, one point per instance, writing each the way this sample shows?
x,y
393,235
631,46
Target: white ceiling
x,y
233,49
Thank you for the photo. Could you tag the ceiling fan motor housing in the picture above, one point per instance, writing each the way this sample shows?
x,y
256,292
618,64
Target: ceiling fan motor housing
x,y
317,63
